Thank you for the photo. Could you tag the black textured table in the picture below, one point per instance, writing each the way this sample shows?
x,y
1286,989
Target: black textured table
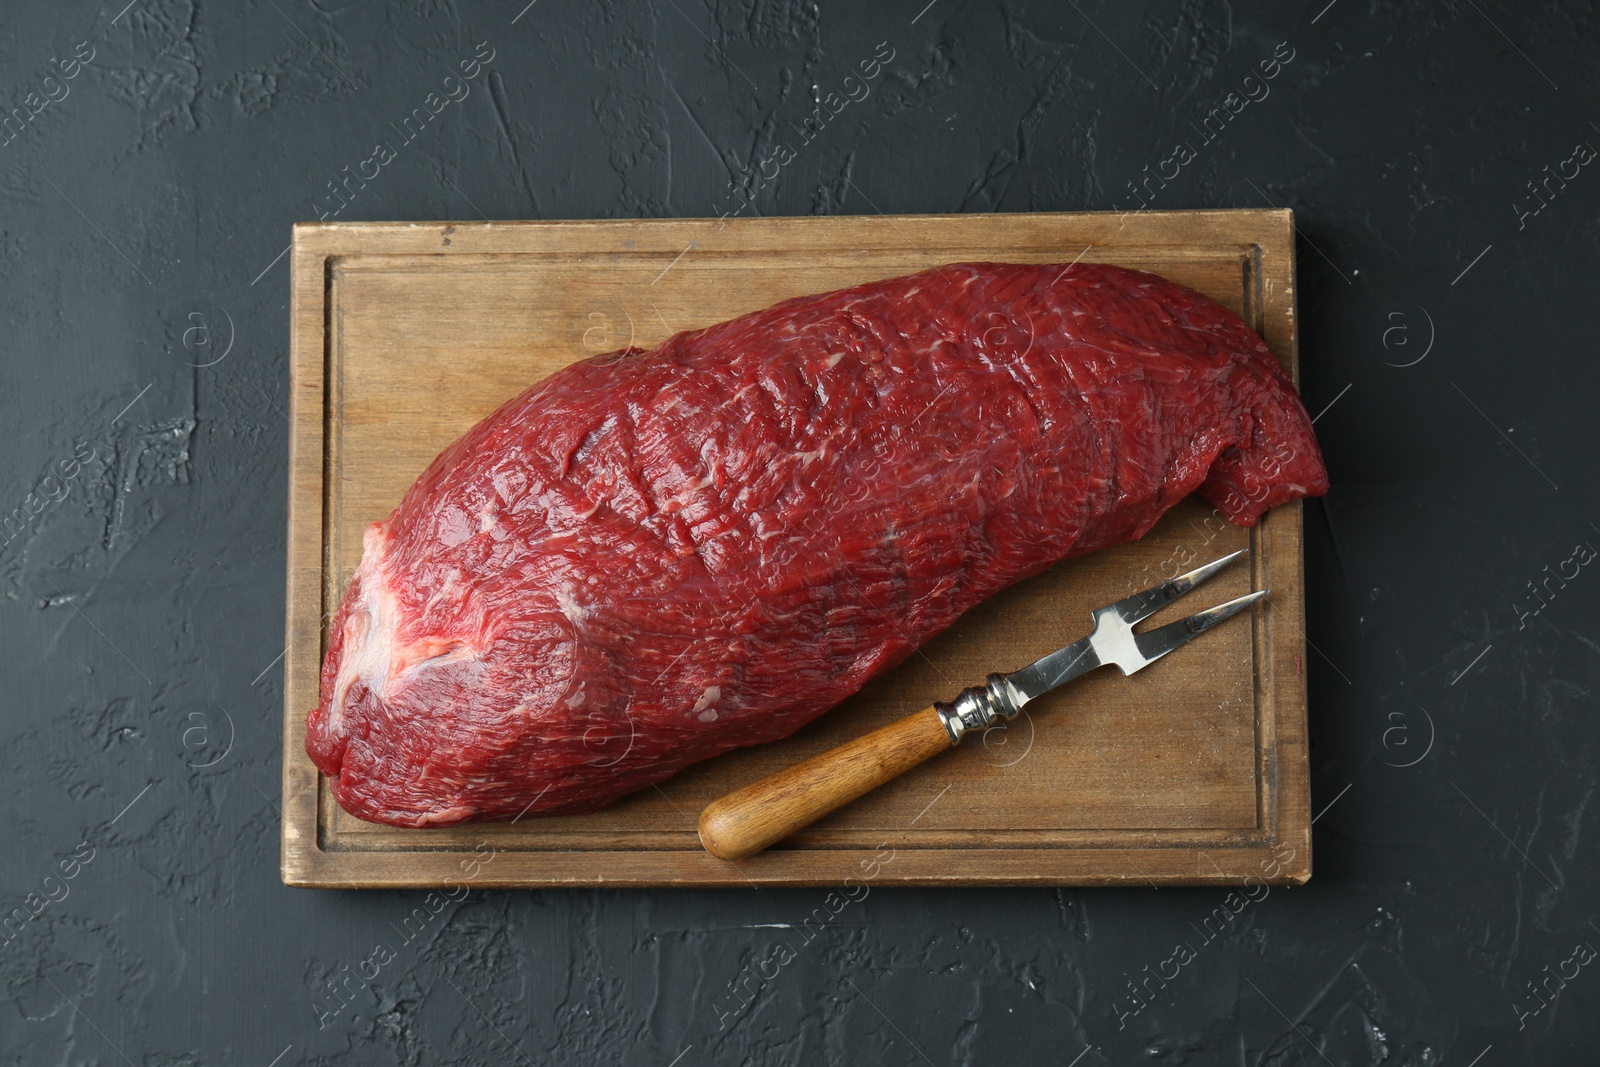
x,y
152,159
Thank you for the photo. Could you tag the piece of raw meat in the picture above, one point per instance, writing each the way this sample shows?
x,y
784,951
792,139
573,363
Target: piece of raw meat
x,y
650,558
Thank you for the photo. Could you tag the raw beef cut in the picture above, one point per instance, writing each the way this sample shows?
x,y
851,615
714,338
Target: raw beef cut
x,y
650,558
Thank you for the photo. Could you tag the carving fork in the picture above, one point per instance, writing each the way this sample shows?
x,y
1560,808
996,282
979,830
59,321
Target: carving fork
x,y
760,814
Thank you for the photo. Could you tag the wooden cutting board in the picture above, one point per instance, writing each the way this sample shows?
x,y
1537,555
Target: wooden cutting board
x,y
1194,771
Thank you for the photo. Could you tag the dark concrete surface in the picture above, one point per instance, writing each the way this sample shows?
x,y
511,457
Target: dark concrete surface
x,y
1448,215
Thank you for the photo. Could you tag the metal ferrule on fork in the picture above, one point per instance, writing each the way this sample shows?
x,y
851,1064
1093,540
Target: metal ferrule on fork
x,y
979,707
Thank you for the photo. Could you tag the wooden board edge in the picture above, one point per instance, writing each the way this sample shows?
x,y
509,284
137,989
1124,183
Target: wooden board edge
x,y
1223,867
1294,795
1240,225
299,850
1290,296
1288,823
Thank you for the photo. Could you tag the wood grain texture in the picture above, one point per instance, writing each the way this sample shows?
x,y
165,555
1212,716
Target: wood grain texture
x,y
404,335
765,812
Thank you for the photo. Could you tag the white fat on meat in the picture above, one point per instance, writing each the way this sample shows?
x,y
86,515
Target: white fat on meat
x,y
371,654
570,607
703,709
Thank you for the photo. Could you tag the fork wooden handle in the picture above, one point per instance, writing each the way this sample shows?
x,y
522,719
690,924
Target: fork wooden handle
x,y
762,813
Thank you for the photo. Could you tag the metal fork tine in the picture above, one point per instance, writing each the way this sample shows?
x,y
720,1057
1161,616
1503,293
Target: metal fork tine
x,y
1163,639
1143,605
